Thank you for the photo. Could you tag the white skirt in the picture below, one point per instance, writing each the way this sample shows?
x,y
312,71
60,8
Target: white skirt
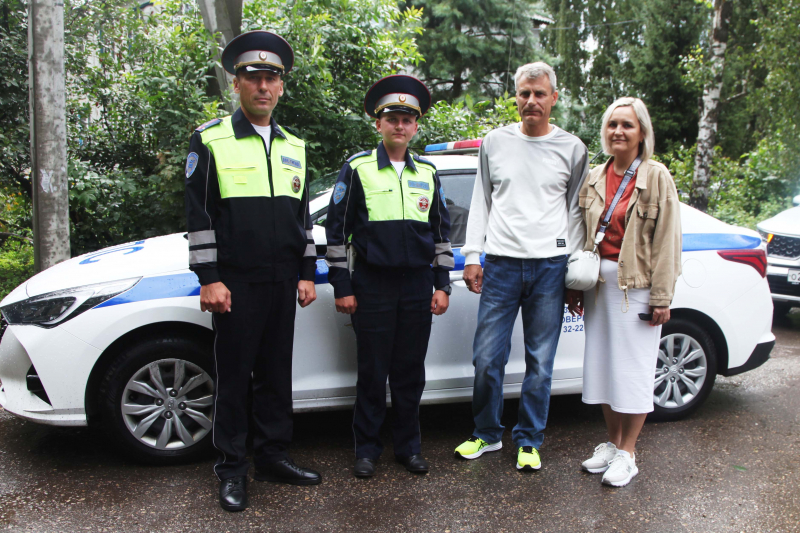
x,y
619,362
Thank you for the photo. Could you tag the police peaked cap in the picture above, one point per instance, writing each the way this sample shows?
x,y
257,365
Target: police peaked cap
x,y
397,93
258,50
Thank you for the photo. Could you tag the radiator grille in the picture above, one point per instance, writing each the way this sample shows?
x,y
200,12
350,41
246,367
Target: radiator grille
x,y
782,246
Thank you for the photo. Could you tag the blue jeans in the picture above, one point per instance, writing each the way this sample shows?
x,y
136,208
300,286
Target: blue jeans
x,y
536,285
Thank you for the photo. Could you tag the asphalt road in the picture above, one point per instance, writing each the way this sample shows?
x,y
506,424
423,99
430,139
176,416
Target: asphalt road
x,y
733,466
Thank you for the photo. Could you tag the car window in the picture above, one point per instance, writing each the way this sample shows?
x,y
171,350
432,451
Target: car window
x,y
458,185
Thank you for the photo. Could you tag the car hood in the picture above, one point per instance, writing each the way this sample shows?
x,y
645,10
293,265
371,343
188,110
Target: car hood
x,y
146,257
784,223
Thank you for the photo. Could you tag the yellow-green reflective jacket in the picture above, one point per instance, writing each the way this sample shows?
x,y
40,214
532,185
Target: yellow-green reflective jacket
x,y
247,212
391,221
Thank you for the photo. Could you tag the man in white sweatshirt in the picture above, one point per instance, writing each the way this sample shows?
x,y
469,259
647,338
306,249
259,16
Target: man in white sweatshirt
x,y
525,216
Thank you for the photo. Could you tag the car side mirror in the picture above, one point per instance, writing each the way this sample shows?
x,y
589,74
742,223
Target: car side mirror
x,y
796,200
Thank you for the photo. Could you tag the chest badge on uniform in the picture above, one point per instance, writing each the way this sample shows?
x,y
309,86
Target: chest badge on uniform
x,y
296,184
191,164
288,161
423,203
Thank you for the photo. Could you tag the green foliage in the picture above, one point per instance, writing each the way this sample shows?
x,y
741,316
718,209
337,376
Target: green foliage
x,y
475,46
779,98
745,190
15,133
16,265
464,120
137,89
341,48
638,52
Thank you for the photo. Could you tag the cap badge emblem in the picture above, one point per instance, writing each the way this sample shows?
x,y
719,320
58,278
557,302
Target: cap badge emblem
x,y
296,184
262,56
402,98
423,203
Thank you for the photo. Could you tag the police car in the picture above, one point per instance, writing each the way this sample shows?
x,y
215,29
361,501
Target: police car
x,y
116,338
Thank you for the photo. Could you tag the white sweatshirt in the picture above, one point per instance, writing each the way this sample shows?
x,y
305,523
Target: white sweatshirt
x,y
525,201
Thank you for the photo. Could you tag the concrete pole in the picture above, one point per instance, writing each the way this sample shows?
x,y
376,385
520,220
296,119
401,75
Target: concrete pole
x,y
224,19
48,132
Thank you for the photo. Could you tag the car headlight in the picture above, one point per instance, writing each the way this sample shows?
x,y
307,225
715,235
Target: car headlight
x,y
766,237
54,308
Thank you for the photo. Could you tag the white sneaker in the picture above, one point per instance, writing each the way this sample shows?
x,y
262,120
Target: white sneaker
x,y
603,454
621,470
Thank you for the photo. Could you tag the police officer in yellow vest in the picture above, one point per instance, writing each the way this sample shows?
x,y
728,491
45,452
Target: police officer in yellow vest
x,y
250,245
388,208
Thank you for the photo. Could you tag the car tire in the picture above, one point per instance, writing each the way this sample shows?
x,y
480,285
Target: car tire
x,y
690,370
156,400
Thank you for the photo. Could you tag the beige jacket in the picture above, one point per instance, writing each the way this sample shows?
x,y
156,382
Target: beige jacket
x,y
650,255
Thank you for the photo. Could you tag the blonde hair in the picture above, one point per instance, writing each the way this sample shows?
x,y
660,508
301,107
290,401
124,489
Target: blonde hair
x,y
649,142
533,71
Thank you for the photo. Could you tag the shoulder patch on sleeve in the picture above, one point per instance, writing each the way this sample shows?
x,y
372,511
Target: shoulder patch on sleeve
x,y
208,124
338,192
359,154
191,164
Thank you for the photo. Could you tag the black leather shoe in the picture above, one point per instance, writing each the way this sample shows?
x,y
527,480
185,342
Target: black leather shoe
x,y
233,493
285,471
415,463
364,467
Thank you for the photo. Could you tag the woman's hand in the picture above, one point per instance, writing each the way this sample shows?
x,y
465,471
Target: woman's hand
x,y
660,315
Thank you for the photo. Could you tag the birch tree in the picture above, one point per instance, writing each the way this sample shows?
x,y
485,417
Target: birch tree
x,y
709,110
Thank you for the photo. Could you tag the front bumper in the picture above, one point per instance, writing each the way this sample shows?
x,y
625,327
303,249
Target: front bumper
x,y
779,286
757,358
18,393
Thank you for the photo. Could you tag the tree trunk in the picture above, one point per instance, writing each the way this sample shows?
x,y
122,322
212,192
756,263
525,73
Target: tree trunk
x,y
709,112
48,133
224,19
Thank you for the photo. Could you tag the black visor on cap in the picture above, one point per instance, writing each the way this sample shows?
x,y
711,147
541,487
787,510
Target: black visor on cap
x,y
399,109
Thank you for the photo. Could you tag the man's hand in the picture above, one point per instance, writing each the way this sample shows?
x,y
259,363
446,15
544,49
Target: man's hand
x,y
574,301
215,297
306,292
660,315
473,277
346,305
439,303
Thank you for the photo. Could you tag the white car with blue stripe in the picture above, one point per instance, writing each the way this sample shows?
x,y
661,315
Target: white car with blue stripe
x,y
116,337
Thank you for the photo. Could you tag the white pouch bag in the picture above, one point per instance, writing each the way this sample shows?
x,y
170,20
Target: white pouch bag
x,y
583,267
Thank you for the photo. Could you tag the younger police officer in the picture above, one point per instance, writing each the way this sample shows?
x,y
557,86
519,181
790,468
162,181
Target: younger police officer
x,y
392,205
249,242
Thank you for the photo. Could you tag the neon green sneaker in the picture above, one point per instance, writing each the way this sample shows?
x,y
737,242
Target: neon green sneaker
x,y
528,459
473,447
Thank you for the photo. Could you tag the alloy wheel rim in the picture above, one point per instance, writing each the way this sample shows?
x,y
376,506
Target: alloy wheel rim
x,y
681,371
168,404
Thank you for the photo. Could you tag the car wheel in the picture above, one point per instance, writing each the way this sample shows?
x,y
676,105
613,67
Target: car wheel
x,y
157,400
685,370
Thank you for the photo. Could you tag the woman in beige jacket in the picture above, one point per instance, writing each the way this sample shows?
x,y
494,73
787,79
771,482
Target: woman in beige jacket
x,y
640,263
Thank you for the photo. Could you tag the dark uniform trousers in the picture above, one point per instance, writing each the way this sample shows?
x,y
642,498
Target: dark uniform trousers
x,y
392,324
254,338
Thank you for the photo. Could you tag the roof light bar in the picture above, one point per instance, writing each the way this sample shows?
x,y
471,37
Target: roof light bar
x,y
470,145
